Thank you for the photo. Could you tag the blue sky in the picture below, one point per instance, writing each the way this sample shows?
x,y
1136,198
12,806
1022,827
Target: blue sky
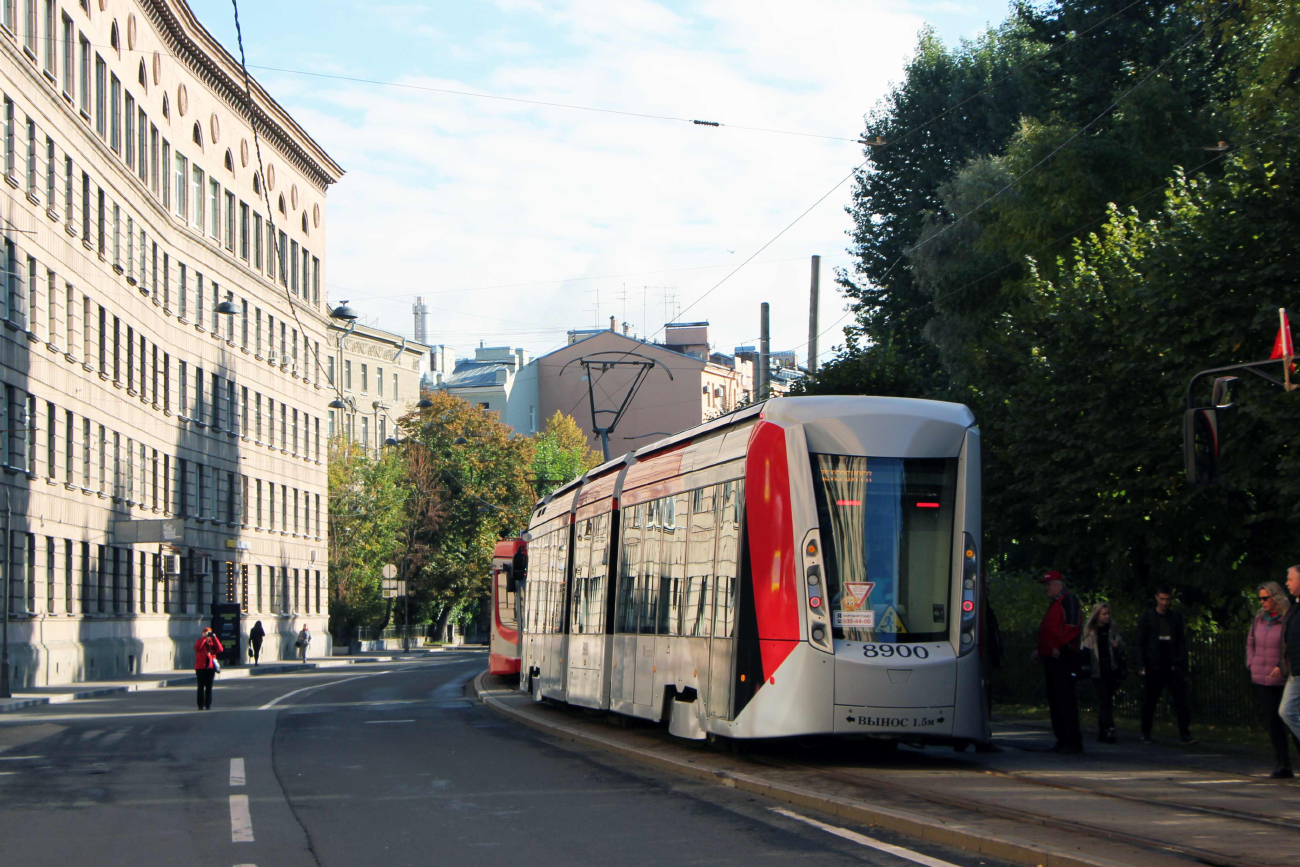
x,y
517,222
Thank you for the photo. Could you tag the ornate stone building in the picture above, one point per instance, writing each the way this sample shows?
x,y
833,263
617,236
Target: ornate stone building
x,y
163,391
376,374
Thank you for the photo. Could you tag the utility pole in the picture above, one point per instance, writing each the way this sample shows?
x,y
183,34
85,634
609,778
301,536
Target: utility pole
x,y
764,352
813,292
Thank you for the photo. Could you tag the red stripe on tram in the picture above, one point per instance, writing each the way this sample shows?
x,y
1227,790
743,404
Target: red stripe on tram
x,y
770,528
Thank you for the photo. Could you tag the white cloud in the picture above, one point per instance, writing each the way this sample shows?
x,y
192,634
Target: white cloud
x,y
446,192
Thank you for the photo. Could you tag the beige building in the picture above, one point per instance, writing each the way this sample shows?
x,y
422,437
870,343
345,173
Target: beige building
x,y
703,384
375,376
159,456
499,379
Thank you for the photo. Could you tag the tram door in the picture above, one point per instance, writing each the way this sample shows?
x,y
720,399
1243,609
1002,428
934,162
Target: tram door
x,y
722,649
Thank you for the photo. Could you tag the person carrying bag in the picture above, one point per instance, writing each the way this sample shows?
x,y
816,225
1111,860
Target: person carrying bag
x,y
206,665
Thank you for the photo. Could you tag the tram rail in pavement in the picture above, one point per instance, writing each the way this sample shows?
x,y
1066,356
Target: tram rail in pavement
x,y
1112,806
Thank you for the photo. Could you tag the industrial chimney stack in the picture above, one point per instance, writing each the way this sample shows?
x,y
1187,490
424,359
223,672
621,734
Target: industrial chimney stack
x,y
421,321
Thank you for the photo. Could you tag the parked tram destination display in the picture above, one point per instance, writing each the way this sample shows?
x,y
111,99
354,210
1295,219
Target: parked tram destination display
x,y
787,569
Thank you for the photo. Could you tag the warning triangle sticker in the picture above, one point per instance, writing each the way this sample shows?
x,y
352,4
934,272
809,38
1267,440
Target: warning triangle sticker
x,y
856,594
891,622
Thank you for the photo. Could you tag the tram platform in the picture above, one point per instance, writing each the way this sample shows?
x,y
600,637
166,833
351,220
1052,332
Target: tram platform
x,y
1126,803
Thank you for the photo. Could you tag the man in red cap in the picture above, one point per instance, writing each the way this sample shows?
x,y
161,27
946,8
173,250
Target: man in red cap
x,y
1058,642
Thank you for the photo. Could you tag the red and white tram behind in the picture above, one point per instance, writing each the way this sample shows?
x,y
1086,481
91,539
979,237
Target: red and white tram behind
x,y
508,559
809,565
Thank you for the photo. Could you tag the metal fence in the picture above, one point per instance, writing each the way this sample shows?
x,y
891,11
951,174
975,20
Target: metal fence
x,y
1218,682
392,633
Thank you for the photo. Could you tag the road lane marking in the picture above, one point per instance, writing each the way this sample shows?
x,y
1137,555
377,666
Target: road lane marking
x,y
273,702
236,772
241,822
18,758
864,840
384,722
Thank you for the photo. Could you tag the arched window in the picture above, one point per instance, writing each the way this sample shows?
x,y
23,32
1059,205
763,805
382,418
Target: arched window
x,y
167,110
198,134
142,78
113,39
282,208
257,183
304,222
230,161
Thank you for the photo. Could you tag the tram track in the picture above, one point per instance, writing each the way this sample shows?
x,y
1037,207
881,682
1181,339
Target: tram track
x,y
1045,819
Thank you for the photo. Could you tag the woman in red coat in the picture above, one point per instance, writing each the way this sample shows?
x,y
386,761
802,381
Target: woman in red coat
x,y
205,665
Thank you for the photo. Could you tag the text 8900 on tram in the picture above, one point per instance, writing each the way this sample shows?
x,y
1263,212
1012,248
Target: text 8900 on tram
x,y
809,565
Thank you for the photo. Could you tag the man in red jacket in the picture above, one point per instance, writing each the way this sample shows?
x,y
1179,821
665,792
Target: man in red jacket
x,y
1058,642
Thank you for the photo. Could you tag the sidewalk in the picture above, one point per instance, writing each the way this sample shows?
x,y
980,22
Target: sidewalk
x,y
1121,804
160,679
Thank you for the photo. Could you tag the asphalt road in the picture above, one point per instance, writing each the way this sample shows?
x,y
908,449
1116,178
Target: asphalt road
x,y
391,765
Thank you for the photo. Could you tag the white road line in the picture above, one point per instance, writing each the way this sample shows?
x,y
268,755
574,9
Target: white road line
x,y
18,758
385,722
864,840
236,772
241,822
273,702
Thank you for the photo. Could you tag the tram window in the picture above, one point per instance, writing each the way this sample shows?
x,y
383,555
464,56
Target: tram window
x,y
889,563
629,558
651,560
728,560
699,564
581,574
673,576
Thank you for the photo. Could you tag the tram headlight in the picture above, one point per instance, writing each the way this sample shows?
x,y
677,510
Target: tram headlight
x,y
819,634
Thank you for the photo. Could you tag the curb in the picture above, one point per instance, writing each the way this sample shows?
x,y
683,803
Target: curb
x,y
910,824
22,701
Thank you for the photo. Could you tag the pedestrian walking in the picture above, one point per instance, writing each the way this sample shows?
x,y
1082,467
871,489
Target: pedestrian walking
x,y
1265,649
1058,647
1290,707
1105,651
206,666
303,642
255,638
1162,642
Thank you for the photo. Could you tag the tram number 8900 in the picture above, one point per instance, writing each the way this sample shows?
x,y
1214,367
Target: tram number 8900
x,y
905,651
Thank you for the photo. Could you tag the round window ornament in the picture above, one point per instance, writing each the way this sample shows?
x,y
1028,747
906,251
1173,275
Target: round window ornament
x,y
130,32
182,99
270,176
243,152
315,216
214,127
157,67
293,197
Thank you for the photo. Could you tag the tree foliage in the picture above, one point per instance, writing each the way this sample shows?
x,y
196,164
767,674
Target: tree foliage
x,y
1047,238
560,453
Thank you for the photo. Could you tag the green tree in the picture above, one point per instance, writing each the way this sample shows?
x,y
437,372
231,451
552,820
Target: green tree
x,y
483,471
367,516
560,453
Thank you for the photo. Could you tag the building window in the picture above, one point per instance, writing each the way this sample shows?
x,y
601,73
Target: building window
x,y
257,241
84,103
69,62
347,375
214,201
293,267
51,173
115,114
243,231
230,221
101,97
284,276
32,165
197,220
128,132
365,380
29,19
9,137
50,39
182,178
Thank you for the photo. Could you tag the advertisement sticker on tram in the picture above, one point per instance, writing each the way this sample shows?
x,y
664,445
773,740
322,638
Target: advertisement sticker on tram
x,y
854,609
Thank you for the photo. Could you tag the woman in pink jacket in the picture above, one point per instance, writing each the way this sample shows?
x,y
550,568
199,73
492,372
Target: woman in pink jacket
x,y
1264,651
205,668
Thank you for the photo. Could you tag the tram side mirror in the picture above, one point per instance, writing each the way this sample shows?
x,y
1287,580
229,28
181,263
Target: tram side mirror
x,y
1224,386
518,570
1201,446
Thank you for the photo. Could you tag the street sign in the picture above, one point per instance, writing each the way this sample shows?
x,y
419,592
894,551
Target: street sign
x,y
390,571
394,588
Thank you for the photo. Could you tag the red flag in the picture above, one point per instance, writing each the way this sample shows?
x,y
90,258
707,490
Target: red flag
x,y
1282,345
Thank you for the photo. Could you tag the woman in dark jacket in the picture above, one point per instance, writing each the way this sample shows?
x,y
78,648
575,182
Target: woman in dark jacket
x,y
1265,648
1101,639
255,637
205,665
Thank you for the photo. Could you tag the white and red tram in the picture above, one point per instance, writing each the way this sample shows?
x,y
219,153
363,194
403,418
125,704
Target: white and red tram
x,y
508,558
804,566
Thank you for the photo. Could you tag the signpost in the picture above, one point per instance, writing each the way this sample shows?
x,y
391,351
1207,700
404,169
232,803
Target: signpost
x,y
393,588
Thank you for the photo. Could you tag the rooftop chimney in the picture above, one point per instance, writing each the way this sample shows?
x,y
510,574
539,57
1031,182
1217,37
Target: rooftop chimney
x,y
421,321
611,324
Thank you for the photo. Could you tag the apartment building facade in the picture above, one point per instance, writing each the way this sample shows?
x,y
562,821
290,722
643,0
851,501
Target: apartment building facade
x,y
376,375
163,394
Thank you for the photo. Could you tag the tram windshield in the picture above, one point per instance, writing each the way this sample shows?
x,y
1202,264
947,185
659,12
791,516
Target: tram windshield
x,y
887,526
